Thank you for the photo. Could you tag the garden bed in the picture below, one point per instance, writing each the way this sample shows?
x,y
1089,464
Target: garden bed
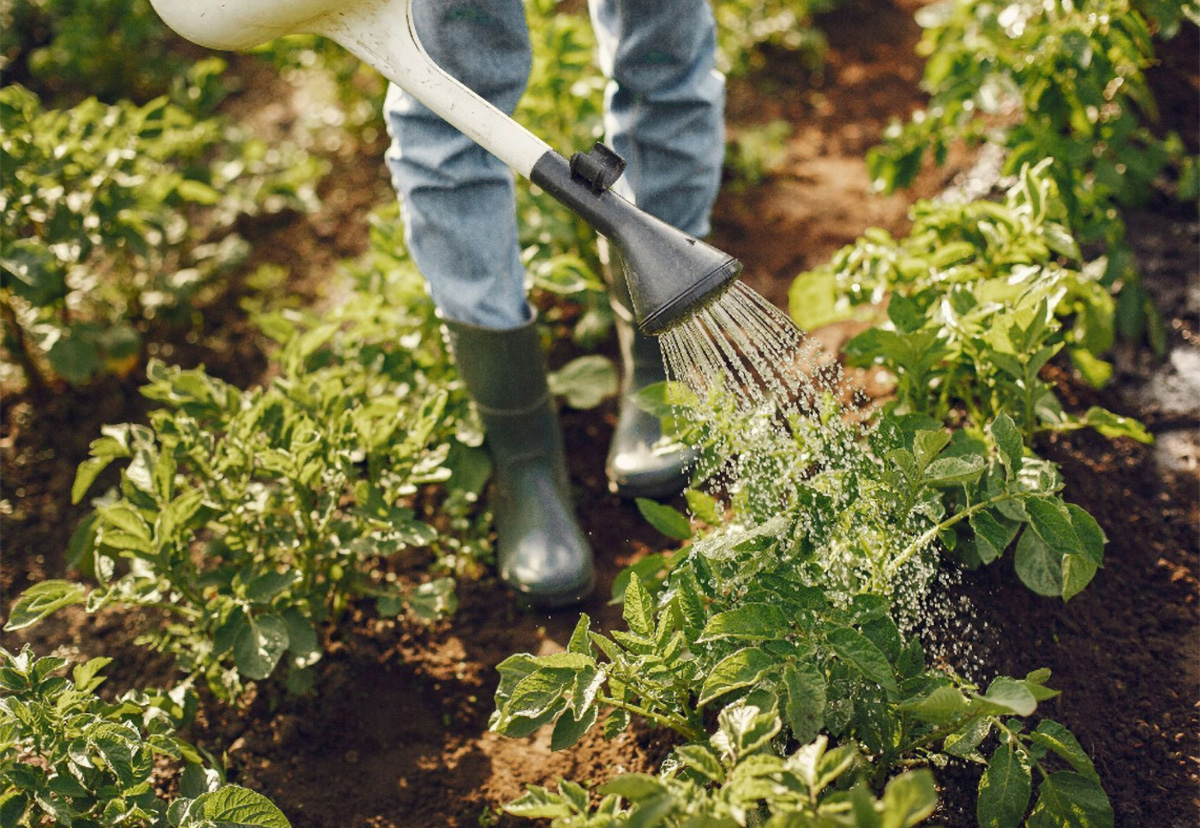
x,y
397,733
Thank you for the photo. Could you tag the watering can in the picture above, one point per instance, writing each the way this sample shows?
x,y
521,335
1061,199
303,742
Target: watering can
x,y
670,274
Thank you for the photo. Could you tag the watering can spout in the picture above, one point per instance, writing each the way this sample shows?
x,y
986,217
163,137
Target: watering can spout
x,y
671,274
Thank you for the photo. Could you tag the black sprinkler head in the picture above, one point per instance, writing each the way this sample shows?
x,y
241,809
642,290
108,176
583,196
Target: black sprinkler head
x,y
670,274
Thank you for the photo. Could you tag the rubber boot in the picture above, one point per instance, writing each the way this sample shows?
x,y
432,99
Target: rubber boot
x,y
634,468
540,550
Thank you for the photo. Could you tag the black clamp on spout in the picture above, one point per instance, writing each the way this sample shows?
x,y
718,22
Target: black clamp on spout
x,y
600,168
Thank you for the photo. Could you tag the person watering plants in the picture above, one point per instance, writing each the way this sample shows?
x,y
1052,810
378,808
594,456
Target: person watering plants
x,y
664,113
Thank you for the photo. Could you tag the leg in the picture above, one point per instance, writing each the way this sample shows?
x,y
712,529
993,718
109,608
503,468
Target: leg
x,y
460,223
456,198
664,114
665,104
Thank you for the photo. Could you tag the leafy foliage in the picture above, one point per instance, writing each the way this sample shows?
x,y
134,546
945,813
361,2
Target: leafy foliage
x,y
789,607
736,778
70,49
754,153
1059,80
69,758
745,27
980,297
253,517
117,217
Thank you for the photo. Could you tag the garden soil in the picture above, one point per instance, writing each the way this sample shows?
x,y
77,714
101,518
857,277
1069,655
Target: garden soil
x,y
397,735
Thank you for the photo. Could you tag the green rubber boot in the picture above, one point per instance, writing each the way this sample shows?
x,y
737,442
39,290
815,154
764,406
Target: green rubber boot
x,y
634,467
540,550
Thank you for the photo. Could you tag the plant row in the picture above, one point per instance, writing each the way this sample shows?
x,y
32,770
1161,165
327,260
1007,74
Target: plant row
x,y
1057,80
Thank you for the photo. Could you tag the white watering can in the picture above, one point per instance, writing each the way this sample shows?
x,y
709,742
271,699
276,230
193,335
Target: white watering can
x,y
670,274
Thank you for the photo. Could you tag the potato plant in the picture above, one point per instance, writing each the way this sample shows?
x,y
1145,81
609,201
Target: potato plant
x,y
252,518
980,297
1072,76
798,603
117,217
67,757
745,27
71,49
1056,80
737,774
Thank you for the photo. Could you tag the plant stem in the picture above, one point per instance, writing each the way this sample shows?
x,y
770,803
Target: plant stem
x,y
679,725
928,535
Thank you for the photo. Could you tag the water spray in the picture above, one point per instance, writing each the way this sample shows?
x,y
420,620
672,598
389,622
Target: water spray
x,y
671,275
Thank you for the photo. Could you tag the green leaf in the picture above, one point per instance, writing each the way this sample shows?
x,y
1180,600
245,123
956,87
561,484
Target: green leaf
x,y
616,723
266,586
702,760
568,730
859,651
964,741
433,600
126,519
704,506
37,276
539,692
743,729
234,807
86,474
1009,442
1052,522
12,807
928,444
42,599
539,803
579,641
952,471
740,669
1095,371
1011,696
258,646
574,793
1004,790
909,799
197,192
113,743
943,706
813,300
196,780
649,567
303,645
1077,573
991,538
806,699
1091,537
585,382
633,786
666,519
1070,800
1057,738
751,622
85,676
1038,565
639,608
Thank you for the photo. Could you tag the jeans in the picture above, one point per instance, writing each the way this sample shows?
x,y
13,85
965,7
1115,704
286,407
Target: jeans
x,y
664,113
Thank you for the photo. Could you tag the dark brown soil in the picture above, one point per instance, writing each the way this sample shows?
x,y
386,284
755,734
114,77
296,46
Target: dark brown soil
x,y
397,735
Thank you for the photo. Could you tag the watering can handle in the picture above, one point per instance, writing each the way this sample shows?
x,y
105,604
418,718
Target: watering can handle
x,y
379,32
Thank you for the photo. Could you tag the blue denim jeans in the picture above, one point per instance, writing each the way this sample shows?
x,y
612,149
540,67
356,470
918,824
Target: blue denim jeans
x,y
664,113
